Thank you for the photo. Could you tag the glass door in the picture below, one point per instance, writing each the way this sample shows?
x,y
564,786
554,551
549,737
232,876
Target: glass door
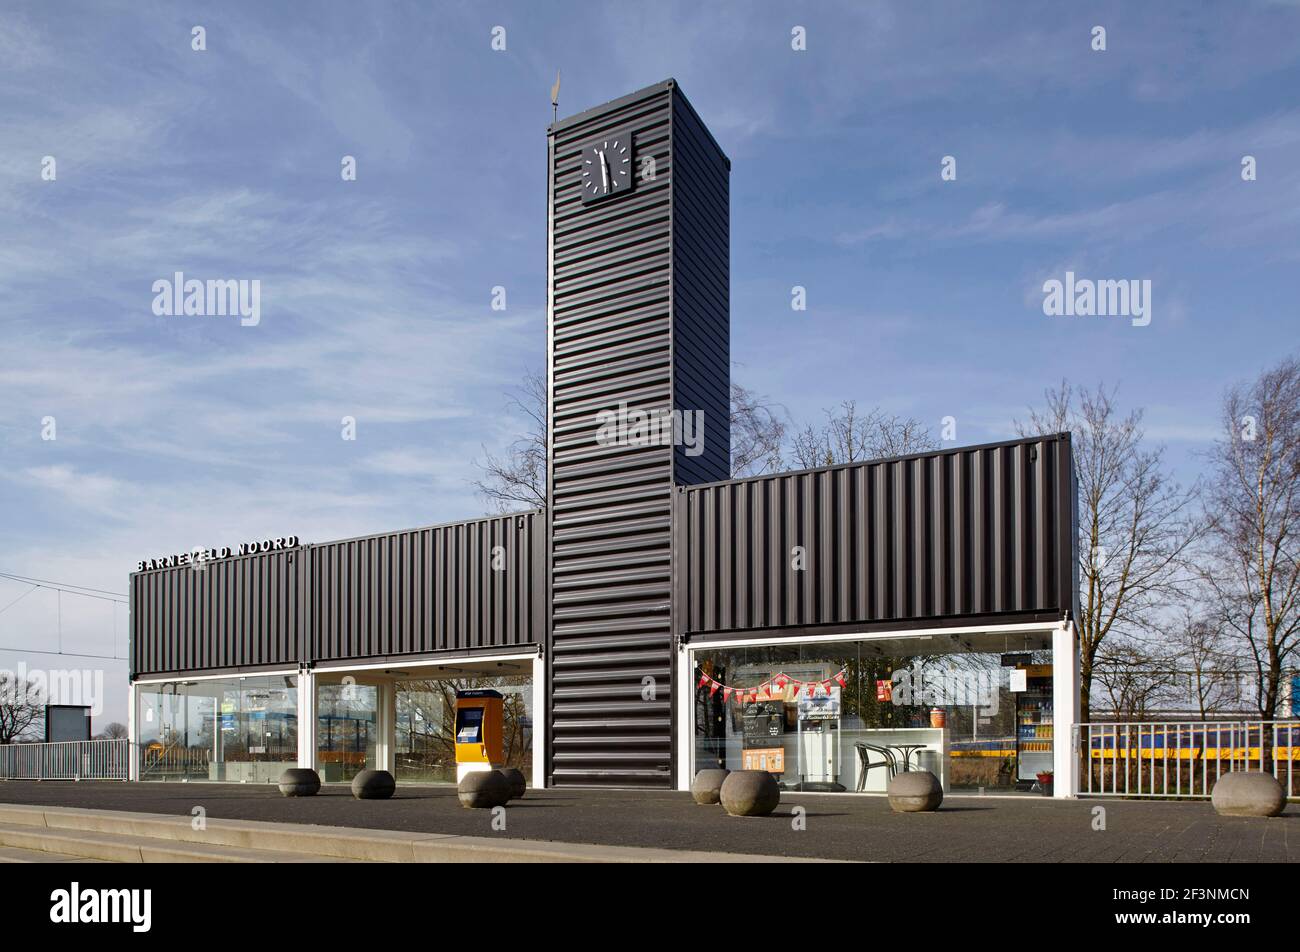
x,y
346,714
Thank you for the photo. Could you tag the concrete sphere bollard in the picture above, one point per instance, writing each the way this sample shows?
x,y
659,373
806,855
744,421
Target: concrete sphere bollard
x,y
1248,793
706,788
915,791
518,785
373,785
749,793
299,782
483,789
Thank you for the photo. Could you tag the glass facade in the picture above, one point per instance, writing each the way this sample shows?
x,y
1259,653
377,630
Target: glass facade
x,y
238,729
426,715
346,738
845,716
245,729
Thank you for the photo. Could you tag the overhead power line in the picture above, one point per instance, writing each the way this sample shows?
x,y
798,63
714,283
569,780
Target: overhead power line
x,y
19,599
66,654
46,581
68,588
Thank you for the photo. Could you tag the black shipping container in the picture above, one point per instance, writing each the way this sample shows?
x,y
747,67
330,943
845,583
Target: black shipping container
x,y
980,534
466,586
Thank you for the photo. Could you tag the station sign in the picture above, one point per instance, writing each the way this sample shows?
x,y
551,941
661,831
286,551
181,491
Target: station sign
x,y
198,556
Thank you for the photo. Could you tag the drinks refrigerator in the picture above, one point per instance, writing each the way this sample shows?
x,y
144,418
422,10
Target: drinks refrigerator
x,y
1034,723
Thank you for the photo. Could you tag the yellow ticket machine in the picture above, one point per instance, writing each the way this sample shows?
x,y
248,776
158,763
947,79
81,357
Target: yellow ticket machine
x,y
480,719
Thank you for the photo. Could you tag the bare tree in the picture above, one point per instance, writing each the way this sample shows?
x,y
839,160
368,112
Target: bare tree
x,y
1201,652
1253,507
1136,524
113,731
432,703
851,436
757,434
22,708
1189,663
1136,682
518,477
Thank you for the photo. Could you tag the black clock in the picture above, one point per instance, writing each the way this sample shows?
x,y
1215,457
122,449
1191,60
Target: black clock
x,y
607,167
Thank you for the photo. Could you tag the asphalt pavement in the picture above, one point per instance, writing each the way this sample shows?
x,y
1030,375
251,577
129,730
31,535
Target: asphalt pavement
x,y
972,829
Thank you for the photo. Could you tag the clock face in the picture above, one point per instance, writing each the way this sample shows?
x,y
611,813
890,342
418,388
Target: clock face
x,y
607,166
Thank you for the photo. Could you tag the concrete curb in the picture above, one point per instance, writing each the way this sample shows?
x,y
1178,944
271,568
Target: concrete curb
x,y
122,836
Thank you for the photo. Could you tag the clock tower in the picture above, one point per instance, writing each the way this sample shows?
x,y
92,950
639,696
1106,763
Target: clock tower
x,y
639,402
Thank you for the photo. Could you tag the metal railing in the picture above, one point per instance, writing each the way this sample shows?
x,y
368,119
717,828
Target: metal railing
x,y
72,760
174,763
1182,758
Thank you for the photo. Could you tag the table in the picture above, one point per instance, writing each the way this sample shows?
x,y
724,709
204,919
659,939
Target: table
x,y
925,743
906,750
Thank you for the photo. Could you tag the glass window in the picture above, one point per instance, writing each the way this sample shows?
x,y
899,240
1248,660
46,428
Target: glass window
x,y
846,716
230,729
426,749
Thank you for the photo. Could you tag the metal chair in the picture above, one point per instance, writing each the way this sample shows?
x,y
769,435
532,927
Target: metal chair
x,y
890,762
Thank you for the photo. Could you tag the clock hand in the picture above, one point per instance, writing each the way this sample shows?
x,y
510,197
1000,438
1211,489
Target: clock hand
x,y
604,172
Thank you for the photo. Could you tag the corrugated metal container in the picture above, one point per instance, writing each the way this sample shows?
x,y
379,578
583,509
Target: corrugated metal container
x,y
621,292
701,300
239,612
464,586
978,534
455,587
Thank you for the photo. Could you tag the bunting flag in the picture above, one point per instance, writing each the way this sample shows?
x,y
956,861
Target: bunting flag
x,y
774,687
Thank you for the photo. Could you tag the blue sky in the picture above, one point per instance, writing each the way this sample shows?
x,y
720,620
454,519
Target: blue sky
x,y
924,296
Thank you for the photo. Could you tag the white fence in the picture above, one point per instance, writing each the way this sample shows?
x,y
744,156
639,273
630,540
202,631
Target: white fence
x,y
1182,758
73,760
